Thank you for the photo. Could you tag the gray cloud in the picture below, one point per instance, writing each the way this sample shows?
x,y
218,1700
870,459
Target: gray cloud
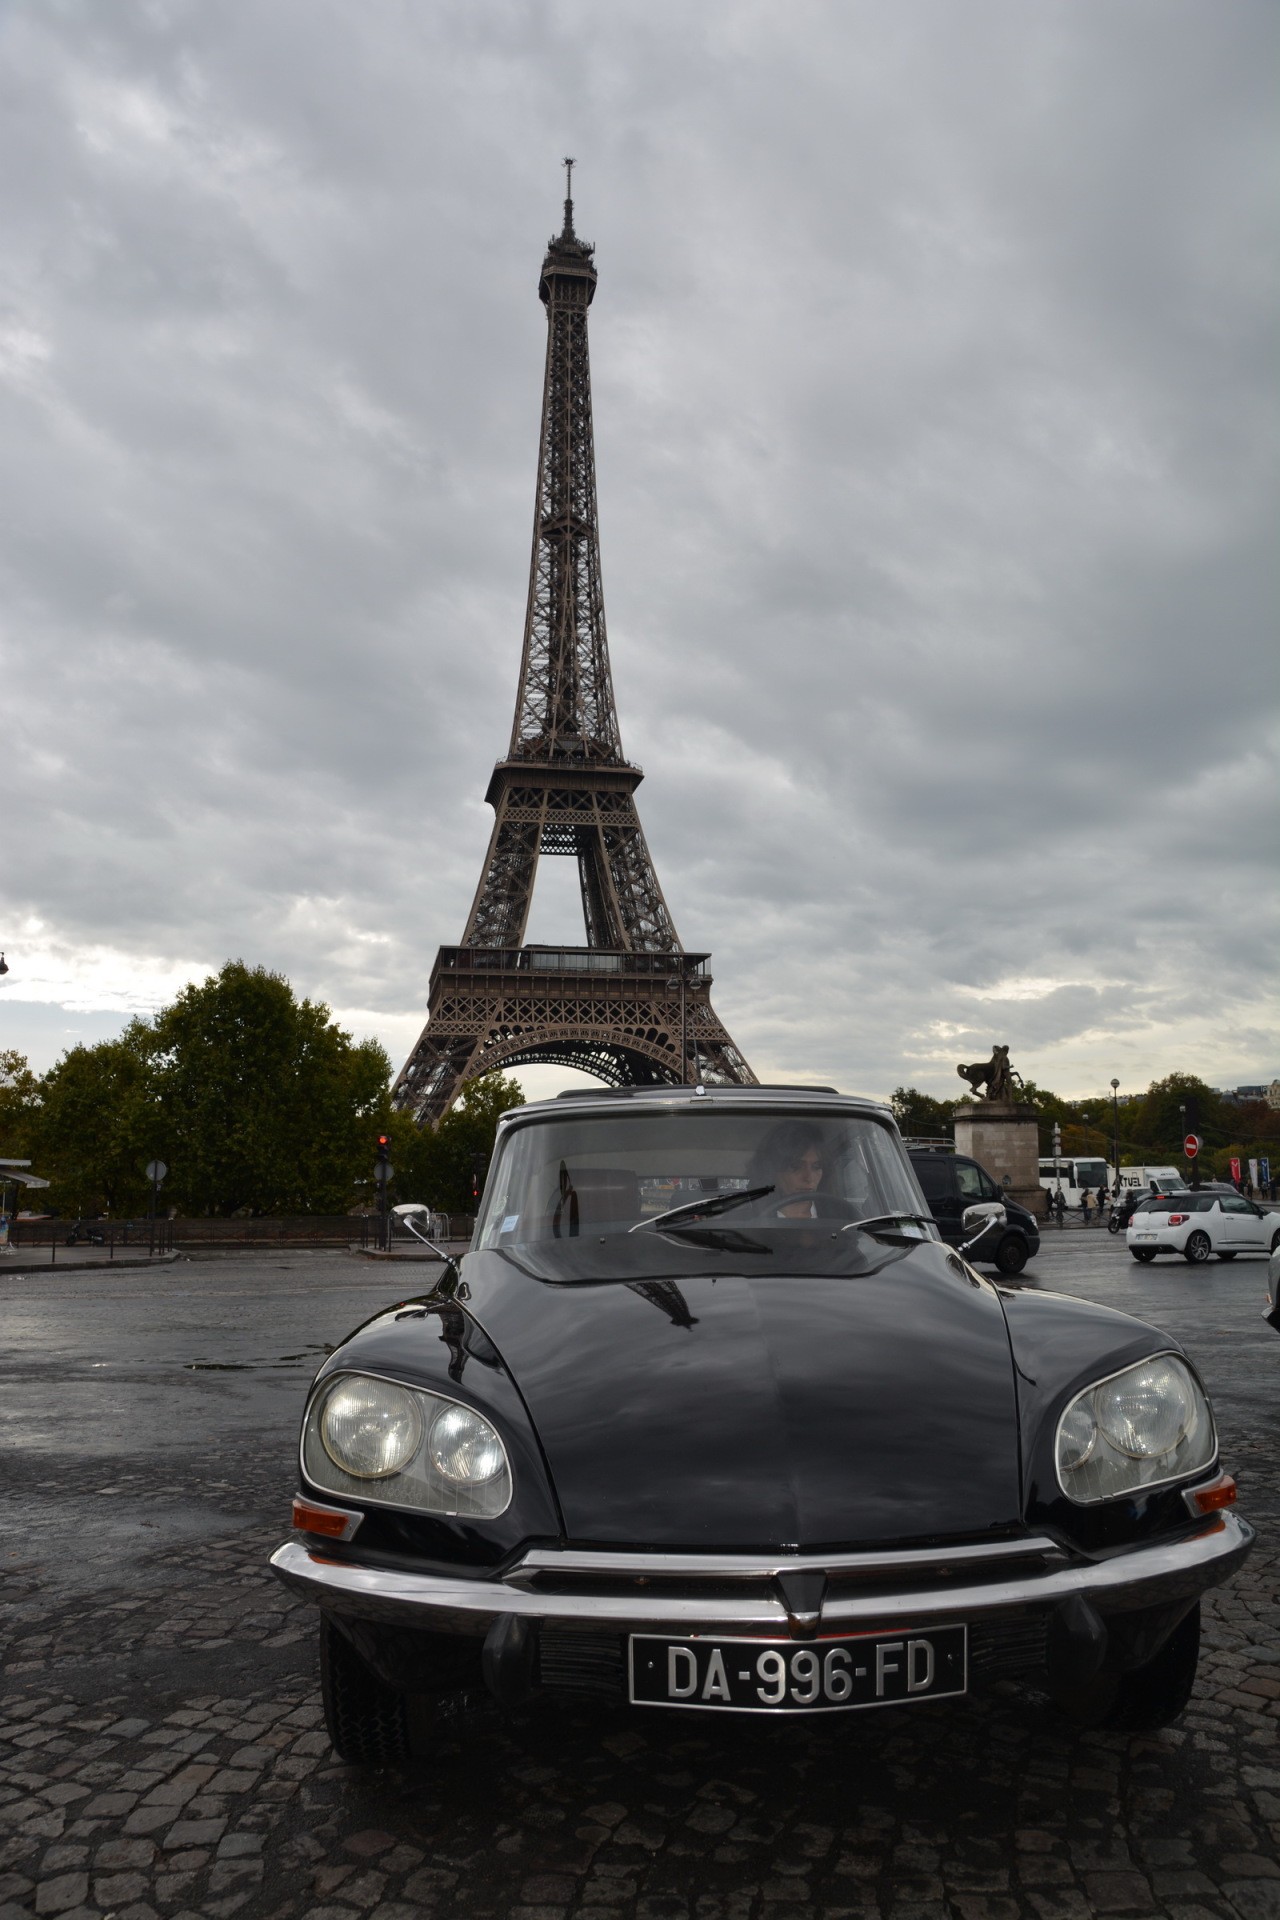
x,y
936,423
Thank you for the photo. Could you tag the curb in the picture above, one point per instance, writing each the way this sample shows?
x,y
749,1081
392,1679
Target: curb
x,y
87,1266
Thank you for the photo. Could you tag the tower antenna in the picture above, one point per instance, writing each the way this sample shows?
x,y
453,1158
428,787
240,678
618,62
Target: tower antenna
x,y
568,194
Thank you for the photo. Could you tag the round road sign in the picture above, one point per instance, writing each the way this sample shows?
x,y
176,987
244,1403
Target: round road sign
x,y
155,1171
1192,1145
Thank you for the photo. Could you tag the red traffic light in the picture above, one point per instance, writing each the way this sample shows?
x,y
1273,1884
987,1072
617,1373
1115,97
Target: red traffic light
x,y
384,1139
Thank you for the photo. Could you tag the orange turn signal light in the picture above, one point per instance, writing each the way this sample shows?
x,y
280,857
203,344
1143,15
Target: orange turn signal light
x,y
334,1523
1219,1493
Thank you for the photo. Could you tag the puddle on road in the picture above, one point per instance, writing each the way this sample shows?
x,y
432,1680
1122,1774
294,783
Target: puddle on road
x,y
254,1366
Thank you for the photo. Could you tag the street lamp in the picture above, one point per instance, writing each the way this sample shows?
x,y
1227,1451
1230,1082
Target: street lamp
x,y
1115,1119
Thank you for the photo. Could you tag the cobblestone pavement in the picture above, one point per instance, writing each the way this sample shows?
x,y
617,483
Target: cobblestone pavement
x,y
162,1747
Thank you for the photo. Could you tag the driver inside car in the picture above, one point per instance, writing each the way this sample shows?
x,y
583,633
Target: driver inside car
x,y
791,1158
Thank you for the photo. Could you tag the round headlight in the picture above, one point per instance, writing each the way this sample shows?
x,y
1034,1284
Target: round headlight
x,y
463,1447
371,1428
1077,1436
1146,1410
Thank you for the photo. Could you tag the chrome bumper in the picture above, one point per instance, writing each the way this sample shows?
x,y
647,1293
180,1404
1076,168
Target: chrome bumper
x,y
864,1590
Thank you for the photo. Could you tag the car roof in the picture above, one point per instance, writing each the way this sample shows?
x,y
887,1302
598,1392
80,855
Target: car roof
x,y
802,1099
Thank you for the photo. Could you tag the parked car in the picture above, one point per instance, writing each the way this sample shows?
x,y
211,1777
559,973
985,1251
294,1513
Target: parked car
x,y
708,1417
1196,1224
951,1182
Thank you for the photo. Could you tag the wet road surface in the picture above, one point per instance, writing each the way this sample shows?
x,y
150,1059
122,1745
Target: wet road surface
x,y
163,1753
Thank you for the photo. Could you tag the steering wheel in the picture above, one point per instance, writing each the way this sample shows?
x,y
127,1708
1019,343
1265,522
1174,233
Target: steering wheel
x,y
826,1206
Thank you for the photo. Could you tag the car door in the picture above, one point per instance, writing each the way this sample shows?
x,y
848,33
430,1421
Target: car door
x,y
936,1174
1243,1223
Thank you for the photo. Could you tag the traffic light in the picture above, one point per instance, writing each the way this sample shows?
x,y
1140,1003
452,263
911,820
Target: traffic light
x,y
382,1159
479,1167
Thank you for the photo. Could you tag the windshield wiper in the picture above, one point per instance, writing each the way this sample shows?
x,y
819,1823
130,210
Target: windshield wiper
x,y
700,1208
888,1220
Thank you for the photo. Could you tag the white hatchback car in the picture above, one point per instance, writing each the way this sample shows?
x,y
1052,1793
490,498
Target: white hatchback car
x,y
1198,1224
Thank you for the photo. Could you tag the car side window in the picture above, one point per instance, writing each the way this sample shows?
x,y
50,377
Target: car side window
x,y
934,1177
1233,1203
969,1181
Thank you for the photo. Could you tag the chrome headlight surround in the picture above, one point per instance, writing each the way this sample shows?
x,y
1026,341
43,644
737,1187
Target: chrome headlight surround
x,y
1143,1426
387,1443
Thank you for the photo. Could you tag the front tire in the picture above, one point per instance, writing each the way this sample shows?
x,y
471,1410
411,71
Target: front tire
x,y
1197,1249
1143,1253
1113,1224
368,1722
1011,1254
1150,1696
1275,1239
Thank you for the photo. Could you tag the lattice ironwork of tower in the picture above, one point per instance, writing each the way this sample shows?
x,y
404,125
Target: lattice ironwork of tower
x,y
631,1006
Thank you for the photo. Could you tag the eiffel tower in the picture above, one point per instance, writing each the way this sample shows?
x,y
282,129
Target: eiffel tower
x,y
631,1006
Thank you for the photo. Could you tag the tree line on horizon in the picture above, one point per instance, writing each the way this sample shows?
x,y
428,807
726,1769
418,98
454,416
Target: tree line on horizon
x,y
1152,1125
259,1103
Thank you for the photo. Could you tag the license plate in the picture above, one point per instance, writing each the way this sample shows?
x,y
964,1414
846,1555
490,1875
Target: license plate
x,y
779,1676
1144,1236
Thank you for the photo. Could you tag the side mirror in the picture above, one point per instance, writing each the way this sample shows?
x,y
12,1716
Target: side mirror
x,y
984,1213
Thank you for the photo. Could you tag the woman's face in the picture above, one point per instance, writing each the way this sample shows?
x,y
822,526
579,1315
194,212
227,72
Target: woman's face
x,y
805,1175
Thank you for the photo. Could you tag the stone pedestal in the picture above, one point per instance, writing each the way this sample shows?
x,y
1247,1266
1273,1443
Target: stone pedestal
x,y
1004,1137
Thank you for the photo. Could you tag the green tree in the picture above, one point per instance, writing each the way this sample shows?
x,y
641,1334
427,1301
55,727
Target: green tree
x,y
1157,1122
435,1164
920,1116
265,1105
19,1105
94,1127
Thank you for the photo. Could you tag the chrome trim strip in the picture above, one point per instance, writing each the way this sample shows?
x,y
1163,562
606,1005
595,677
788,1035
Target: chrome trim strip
x,y
758,1566
1148,1576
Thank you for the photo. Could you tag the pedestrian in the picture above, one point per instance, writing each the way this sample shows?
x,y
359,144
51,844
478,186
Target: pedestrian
x,y
1084,1204
1248,1189
1059,1205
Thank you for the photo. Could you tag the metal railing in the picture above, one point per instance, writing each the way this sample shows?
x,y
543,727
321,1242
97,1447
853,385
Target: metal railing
x,y
108,1237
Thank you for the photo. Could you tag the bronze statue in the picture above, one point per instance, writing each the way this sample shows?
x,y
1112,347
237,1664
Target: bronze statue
x,y
995,1074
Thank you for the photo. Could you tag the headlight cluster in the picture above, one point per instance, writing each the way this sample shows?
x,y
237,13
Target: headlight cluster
x,y
404,1447
1139,1428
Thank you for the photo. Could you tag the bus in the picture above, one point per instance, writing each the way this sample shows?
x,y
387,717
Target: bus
x,y
1078,1173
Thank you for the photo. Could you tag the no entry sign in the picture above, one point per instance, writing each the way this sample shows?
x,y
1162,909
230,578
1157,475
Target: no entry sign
x,y
1192,1145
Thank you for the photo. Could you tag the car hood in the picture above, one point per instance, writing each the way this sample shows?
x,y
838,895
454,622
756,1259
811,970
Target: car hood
x,y
765,1410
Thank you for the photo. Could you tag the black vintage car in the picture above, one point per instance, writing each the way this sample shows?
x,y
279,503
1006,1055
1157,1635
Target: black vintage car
x,y
710,1418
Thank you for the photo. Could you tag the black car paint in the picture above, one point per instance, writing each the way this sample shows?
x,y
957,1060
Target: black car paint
x,y
1061,1345
434,1343
775,1418
899,1397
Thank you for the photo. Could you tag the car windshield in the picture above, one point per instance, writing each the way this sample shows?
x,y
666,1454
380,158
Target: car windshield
x,y
768,1179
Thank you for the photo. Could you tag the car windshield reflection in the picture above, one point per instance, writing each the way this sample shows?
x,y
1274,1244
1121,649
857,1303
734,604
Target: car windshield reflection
x,y
745,1186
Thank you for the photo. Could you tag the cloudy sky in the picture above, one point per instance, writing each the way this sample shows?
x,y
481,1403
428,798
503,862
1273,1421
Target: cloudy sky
x,y
934,373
